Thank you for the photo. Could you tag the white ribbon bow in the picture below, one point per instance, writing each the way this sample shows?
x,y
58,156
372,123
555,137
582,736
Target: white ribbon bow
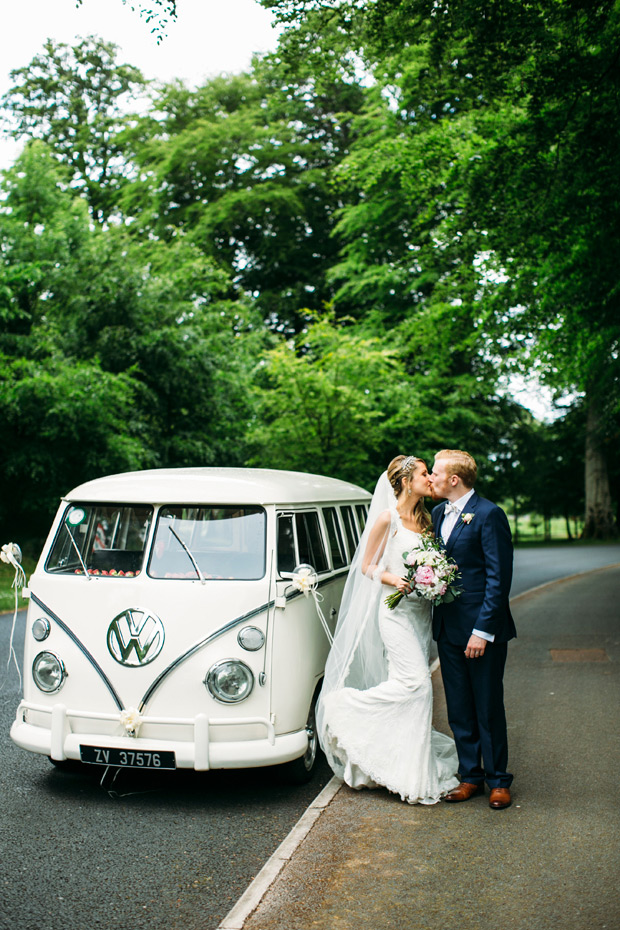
x,y
306,581
11,554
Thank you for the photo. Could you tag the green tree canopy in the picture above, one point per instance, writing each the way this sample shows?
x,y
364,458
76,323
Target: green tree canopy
x,y
74,99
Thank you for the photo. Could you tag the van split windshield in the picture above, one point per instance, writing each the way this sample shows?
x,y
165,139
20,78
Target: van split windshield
x,y
104,539
191,542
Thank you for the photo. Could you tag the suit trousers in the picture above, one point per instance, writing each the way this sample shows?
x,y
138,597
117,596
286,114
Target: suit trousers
x,y
475,698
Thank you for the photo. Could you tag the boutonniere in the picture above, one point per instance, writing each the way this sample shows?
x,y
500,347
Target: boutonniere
x,y
467,518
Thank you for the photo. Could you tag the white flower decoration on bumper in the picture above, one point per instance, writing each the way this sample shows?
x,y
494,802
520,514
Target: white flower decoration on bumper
x,y
467,518
131,719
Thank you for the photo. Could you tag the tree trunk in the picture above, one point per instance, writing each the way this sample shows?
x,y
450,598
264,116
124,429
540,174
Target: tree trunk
x,y
599,518
516,519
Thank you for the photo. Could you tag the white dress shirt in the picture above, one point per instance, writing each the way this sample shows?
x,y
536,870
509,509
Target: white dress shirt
x,y
449,522
456,509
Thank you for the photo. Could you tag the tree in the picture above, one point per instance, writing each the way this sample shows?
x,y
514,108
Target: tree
x,y
324,400
244,166
74,99
532,89
90,318
344,398
62,422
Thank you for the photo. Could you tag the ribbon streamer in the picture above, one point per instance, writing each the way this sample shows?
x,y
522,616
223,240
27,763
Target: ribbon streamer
x,y
305,580
11,554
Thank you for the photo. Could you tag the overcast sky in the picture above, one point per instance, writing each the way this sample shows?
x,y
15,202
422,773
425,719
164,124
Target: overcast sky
x,y
210,36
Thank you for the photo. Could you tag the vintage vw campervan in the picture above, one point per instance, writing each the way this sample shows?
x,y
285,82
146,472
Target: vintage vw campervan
x,y
166,628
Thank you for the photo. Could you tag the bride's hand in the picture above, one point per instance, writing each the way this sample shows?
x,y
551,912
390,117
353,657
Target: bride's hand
x,y
401,584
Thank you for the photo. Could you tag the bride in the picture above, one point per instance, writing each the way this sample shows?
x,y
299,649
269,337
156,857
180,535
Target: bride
x,y
374,712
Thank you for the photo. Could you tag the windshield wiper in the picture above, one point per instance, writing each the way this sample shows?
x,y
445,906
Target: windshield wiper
x,y
79,554
203,580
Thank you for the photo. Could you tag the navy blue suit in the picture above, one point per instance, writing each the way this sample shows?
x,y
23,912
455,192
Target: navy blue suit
x,y
474,688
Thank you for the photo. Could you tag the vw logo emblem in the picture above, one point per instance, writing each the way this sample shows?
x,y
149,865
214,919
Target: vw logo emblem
x,y
135,637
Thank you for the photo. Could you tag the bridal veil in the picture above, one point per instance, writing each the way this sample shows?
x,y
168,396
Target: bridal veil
x,y
357,658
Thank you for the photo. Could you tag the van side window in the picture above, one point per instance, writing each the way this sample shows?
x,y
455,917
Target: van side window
x,y
334,535
350,529
362,513
286,544
310,541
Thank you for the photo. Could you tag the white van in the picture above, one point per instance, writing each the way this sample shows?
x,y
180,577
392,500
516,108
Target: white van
x,y
165,629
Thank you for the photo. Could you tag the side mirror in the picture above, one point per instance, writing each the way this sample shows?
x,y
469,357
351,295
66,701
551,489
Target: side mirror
x,y
303,579
303,569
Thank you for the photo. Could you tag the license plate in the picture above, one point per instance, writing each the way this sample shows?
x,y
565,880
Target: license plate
x,y
128,758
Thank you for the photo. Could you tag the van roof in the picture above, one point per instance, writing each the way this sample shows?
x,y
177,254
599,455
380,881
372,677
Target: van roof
x,y
216,486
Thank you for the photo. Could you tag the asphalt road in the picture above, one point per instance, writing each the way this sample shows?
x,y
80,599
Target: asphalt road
x,y
549,862
162,851
158,851
539,564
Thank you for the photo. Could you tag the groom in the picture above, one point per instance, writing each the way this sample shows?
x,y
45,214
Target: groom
x,y
472,632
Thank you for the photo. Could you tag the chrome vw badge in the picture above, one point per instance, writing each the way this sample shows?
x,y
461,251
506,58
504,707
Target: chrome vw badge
x,y
135,637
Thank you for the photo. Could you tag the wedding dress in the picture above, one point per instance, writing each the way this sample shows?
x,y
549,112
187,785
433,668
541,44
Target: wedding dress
x,y
382,735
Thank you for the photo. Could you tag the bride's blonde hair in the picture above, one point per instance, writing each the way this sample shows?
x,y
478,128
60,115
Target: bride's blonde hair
x,y
403,466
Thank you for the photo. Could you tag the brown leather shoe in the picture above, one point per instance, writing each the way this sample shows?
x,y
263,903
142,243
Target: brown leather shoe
x,y
499,798
464,792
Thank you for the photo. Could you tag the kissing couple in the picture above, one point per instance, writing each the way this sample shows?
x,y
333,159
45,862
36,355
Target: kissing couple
x,y
374,714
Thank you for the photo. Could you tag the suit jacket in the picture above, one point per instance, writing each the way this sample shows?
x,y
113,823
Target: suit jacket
x,y
483,552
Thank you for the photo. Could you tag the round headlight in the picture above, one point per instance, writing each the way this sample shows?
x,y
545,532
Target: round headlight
x,y
41,629
250,638
48,672
229,681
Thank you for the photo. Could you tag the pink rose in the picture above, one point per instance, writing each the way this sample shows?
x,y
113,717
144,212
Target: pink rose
x,y
424,575
443,589
411,558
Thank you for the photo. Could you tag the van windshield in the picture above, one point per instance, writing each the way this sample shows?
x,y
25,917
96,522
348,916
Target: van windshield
x,y
104,539
223,542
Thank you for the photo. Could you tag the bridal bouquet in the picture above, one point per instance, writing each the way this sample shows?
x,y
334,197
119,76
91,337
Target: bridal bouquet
x,y
431,574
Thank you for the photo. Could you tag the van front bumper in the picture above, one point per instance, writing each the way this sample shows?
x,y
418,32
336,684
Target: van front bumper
x,y
60,743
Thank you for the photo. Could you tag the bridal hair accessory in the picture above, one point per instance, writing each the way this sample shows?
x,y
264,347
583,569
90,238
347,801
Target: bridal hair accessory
x,y
12,555
305,580
408,464
467,517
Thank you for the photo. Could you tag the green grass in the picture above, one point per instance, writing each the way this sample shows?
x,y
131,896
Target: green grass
x,y
532,530
7,593
528,542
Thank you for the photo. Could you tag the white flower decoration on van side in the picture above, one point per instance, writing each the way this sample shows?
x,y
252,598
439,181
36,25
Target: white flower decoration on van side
x,y
467,518
131,719
304,580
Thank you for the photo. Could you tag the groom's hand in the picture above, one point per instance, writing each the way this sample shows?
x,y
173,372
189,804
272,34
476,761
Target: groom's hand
x,y
475,647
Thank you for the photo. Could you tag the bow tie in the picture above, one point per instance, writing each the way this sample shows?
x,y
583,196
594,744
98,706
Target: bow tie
x,y
451,508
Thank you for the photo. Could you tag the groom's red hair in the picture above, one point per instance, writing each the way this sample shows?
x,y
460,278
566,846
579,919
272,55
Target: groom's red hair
x,y
461,464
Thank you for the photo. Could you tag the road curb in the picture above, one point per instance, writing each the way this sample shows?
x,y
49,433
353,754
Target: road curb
x,y
251,898
548,584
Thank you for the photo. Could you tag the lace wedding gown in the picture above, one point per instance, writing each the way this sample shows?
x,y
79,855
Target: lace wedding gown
x,y
383,736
